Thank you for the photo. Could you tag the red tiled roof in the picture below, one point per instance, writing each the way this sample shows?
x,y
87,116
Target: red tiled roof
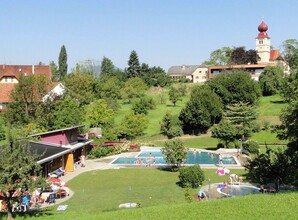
x,y
274,55
17,70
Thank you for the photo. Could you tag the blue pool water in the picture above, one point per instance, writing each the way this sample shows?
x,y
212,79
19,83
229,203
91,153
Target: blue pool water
x,y
239,190
156,155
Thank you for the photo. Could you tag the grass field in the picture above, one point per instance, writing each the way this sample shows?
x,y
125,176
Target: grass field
x,y
98,194
269,109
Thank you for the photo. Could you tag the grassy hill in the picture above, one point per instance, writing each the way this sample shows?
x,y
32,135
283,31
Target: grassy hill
x,y
269,109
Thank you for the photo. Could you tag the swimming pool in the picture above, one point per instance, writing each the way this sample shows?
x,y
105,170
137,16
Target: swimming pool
x,y
238,190
196,157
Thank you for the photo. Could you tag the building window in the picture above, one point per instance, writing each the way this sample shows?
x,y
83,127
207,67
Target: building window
x,y
260,41
6,78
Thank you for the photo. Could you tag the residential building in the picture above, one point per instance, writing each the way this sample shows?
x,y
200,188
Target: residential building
x,y
194,73
60,148
9,77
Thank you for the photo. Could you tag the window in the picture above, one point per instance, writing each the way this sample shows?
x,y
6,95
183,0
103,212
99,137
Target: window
x,y
6,78
260,41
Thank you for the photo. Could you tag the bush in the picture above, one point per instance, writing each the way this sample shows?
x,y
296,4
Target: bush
x,y
98,152
220,145
251,146
120,148
192,176
231,145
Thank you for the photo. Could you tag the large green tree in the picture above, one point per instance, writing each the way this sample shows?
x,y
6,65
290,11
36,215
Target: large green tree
x,y
107,67
26,97
98,114
236,86
62,63
108,88
219,56
134,68
18,165
201,111
174,152
241,56
133,125
290,53
54,71
238,122
133,88
271,80
80,86
171,125
66,113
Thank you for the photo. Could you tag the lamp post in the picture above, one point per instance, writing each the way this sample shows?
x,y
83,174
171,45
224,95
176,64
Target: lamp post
x,y
209,189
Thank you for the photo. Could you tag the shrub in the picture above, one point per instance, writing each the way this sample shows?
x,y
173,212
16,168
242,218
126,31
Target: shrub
x,y
220,145
98,152
251,146
191,176
231,145
120,148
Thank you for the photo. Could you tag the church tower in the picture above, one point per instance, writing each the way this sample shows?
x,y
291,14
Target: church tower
x,y
263,43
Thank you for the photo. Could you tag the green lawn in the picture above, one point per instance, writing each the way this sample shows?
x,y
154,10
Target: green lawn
x,y
154,116
98,194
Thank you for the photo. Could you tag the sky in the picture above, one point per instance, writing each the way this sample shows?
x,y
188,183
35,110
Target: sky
x,y
163,32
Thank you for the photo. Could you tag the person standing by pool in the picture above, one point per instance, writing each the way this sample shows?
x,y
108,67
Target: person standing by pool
x,y
220,159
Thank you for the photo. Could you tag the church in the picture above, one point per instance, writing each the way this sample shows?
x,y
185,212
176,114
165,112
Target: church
x,y
268,57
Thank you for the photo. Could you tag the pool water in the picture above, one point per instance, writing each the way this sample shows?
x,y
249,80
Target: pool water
x,y
157,158
236,190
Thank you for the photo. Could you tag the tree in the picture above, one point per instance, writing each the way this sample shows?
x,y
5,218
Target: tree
x,y
174,152
66,113
236,86
143,104
29,92
290,52
18,165
133,88
219,57
107,67
62,62
225,131
2,131
133,125
272,166
108,88
79,85
134,68
171,126
174,95
54,71
98,114
271,80
201,111
240,56
192,176
288,130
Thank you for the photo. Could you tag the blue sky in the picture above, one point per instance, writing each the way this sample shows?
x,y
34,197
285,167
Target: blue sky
x,y
163,32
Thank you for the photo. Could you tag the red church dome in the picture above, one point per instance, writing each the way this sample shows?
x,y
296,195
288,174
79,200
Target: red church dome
x,y
262,29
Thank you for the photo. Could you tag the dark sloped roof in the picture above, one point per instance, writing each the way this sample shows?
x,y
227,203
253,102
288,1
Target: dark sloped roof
x,y
184,69
46,150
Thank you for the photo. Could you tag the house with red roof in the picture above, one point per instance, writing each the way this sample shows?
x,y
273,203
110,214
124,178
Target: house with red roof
x,y
10,74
